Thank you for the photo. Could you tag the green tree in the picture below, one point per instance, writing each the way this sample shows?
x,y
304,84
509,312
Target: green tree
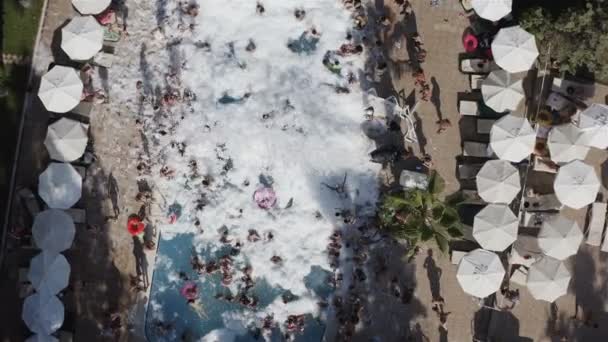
x,y
420,216
577,34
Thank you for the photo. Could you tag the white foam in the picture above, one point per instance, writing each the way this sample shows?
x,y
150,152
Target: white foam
x,y
318,141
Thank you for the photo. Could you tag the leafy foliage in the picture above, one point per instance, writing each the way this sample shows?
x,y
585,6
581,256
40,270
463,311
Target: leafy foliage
x,y
420,216
577,35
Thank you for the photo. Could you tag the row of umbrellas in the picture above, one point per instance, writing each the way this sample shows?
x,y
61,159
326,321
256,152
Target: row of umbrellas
x,y
481,272
60,185
49,273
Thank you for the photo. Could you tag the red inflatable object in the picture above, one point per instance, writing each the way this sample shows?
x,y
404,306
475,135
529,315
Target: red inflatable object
x,y
135,226
470,43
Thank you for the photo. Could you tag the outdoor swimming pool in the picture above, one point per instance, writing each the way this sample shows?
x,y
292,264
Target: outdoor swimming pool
x,y
169,306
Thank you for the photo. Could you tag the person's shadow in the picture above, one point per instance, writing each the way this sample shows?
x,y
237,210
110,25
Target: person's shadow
x,y
141,263
113,193
436,97
434,274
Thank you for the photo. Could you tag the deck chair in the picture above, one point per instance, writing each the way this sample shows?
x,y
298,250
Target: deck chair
x,y
476,149
84,108
542,165
468,107
476,80
30,201
519,276
596,224
535,219
484,126
542,203
604,247
456,256
476,66
468,171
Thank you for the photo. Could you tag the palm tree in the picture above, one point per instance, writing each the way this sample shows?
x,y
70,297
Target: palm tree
x,y
420,216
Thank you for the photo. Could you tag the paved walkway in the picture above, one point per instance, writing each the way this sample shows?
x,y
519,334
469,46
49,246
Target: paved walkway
x,y
103,257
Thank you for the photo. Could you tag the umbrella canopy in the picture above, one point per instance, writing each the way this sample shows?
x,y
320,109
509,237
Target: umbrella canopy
x,y
60,186
42,338
60,89
566,144
514,49
495,227
91,6
492,10
480,273
502,91
593,122
82,38
42,314
560,237
576,184
53,230
512,138
548,279
498,182
66,139
49,273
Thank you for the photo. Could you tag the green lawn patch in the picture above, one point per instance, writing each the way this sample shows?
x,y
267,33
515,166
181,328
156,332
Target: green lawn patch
x,y
20,26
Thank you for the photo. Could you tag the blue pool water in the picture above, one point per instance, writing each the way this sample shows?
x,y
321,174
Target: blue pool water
x,y
167,300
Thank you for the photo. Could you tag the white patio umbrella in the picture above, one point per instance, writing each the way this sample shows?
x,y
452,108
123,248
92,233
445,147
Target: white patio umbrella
x,y
498,181
548,279
60,89
49,273
492,10
82,38
593,122
566,144
576,184
53,230
42,314
91,6
502,91
480,273
514,49
512,138
60,186
66,139
495,227
560,237
42,338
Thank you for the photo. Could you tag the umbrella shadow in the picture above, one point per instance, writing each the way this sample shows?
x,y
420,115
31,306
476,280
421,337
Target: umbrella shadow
x,y
113,192
436,97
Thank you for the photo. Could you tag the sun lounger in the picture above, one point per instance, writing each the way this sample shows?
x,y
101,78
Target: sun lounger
x,y
476,81
476,149
484,126
519,276
466,5
535,219
467,107
103,59
30,201
476,66
542,203
542,165
456,256
468,171
110,34
573,88
84,108
525,251
596,224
